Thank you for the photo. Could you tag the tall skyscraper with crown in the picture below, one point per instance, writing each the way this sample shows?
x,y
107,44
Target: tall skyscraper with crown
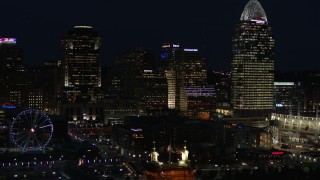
x,y
252,65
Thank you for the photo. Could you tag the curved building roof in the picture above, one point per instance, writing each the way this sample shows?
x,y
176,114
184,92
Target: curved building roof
x,y
253,10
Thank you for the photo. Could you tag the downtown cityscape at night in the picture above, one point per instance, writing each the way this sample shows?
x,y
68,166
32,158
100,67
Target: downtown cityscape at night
x,y
161,106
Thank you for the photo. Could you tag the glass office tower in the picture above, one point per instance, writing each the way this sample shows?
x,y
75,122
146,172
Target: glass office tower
x,y
252,64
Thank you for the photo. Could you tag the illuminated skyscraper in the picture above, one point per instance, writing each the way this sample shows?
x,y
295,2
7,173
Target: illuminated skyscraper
x,y
171,60
81,62
154,92
200,97
188,90
252,64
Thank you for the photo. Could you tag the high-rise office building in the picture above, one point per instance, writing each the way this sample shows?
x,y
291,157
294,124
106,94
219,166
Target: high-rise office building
x,y
11,56
82,64
200,96
13,75
188,90
252,73
130,85
171,57
129,66
153,93
289,98
54,86
195,68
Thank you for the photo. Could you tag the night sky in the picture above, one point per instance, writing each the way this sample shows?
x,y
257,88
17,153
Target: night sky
x,y
123,24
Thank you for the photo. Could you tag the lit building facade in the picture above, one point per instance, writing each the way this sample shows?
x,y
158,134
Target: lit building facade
x,y
195,68
171,61
201,102
15,97
200,96
81,63
188,90
84,113
252,73
154,93
35,99
81,67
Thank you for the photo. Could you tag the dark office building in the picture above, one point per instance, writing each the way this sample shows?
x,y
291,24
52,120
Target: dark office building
x,y
10,62
13,76
252,73
289,98
220,80
11,56
129,66
134,86
52,73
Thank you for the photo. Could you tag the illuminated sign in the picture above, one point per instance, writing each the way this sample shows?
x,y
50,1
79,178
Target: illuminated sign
x,y
136,130
277,153
147,71
8,105
283,83
259,20
191,50
200,91
83,27
279,105
168,45
8,40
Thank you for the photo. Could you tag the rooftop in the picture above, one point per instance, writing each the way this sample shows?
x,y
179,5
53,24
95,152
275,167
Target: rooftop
x,y
253,10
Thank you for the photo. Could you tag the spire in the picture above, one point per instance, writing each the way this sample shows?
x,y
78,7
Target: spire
x,y
154,146
154,154
184,155
253,10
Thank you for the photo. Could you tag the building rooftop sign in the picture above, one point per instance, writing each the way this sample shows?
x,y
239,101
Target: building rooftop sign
x,y
8,40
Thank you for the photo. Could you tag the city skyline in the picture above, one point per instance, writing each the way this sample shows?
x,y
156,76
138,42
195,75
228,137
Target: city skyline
x,y
123,25
159,90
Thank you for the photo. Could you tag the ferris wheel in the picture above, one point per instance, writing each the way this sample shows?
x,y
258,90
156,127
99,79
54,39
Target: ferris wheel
x,y
31,130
